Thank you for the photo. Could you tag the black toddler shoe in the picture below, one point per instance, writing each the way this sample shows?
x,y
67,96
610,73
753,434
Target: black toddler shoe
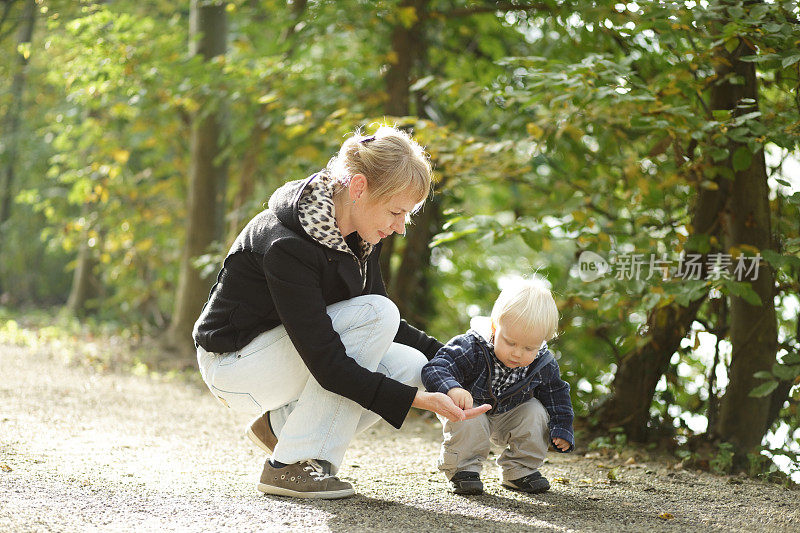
x,y
532,483
465,482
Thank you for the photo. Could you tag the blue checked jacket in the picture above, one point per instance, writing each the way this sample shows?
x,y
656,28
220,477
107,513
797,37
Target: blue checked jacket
x,y
466,362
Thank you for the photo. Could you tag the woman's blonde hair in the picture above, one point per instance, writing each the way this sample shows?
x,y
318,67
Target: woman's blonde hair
x,y
390,159
529,302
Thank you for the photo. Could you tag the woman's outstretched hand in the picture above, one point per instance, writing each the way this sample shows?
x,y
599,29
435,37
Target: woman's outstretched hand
x,y
444,405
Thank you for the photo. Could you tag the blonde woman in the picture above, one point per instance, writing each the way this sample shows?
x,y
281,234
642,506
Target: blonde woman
x,y
298,329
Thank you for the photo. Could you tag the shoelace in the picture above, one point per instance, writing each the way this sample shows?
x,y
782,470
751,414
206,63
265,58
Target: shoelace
x,y
316,471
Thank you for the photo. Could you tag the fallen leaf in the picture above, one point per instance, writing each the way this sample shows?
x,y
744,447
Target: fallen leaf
x,y
666,516
630,461
5,468
586,480
561,480
612,474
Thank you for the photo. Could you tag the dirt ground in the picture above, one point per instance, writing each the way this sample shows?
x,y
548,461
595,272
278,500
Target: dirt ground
x,y
88,451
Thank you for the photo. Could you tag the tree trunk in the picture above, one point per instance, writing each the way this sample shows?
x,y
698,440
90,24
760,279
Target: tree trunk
x,y
754,330
84,284
12,121
638,373
398,82
247,183
407,47
410,282
298,8
249,169
208,30
781,393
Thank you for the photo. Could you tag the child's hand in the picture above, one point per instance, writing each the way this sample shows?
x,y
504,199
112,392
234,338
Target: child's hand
x,y
461,397
561,444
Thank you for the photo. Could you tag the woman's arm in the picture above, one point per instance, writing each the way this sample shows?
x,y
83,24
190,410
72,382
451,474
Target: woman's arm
x,y
445,406
293,274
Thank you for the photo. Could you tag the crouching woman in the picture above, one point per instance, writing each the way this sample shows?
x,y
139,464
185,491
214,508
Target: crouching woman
x,y
298,329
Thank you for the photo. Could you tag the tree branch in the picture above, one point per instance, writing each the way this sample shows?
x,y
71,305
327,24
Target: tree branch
x,y
6,11
503,7
599,333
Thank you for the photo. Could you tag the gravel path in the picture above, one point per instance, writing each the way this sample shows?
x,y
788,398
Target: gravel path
x,y
84,451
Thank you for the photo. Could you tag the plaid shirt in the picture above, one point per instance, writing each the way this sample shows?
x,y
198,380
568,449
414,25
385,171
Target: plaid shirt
x,y
466,361
504,377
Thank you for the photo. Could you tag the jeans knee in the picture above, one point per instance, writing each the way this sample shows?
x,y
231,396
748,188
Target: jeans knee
x,y
415,364
404,364
385,311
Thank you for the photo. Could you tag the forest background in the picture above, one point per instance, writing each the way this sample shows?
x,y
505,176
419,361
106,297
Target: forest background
x,y
641,156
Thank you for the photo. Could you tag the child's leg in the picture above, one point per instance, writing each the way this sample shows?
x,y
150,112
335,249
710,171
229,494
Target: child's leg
x,y
465,446
524,432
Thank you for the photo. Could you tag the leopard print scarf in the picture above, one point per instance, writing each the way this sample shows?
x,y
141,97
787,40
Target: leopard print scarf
x,y
316,212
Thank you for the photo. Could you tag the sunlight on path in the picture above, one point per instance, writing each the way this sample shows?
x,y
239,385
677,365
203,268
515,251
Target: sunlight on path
x,y
86,451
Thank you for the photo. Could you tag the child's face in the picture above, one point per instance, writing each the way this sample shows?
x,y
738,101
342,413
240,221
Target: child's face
x,y
515,345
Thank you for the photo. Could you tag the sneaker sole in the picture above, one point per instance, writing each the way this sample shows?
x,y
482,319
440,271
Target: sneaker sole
x,y
468,492
258,442
323,495
536,490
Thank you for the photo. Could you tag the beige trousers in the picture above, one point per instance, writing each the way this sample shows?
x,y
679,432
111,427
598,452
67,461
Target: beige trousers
x,y
522,431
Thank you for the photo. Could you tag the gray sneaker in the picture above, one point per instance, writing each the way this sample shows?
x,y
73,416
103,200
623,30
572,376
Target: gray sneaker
x,y
306,479
260,432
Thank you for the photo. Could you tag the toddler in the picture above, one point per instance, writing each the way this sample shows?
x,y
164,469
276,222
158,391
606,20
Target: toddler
x,y
504,361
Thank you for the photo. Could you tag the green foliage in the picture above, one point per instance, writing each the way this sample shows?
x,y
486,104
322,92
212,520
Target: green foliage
x,y
612,120
722,461
616,441
102,345
577,127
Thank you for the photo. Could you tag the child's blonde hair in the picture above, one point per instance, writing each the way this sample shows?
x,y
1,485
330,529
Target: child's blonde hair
x,y
390,159
530,302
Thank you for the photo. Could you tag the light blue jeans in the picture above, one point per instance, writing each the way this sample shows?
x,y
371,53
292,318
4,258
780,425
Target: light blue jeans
x,y
309,421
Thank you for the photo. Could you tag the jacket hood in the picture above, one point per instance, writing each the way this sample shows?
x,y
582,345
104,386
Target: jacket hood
x,y
482,325
307,208
283,203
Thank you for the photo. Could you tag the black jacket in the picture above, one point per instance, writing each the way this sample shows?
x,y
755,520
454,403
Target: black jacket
x,y
276,274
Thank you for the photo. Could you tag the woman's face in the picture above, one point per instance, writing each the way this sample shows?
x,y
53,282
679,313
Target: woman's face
x,y
376,219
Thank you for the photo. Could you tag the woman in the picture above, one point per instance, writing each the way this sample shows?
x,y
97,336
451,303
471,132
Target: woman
x,y
298,328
